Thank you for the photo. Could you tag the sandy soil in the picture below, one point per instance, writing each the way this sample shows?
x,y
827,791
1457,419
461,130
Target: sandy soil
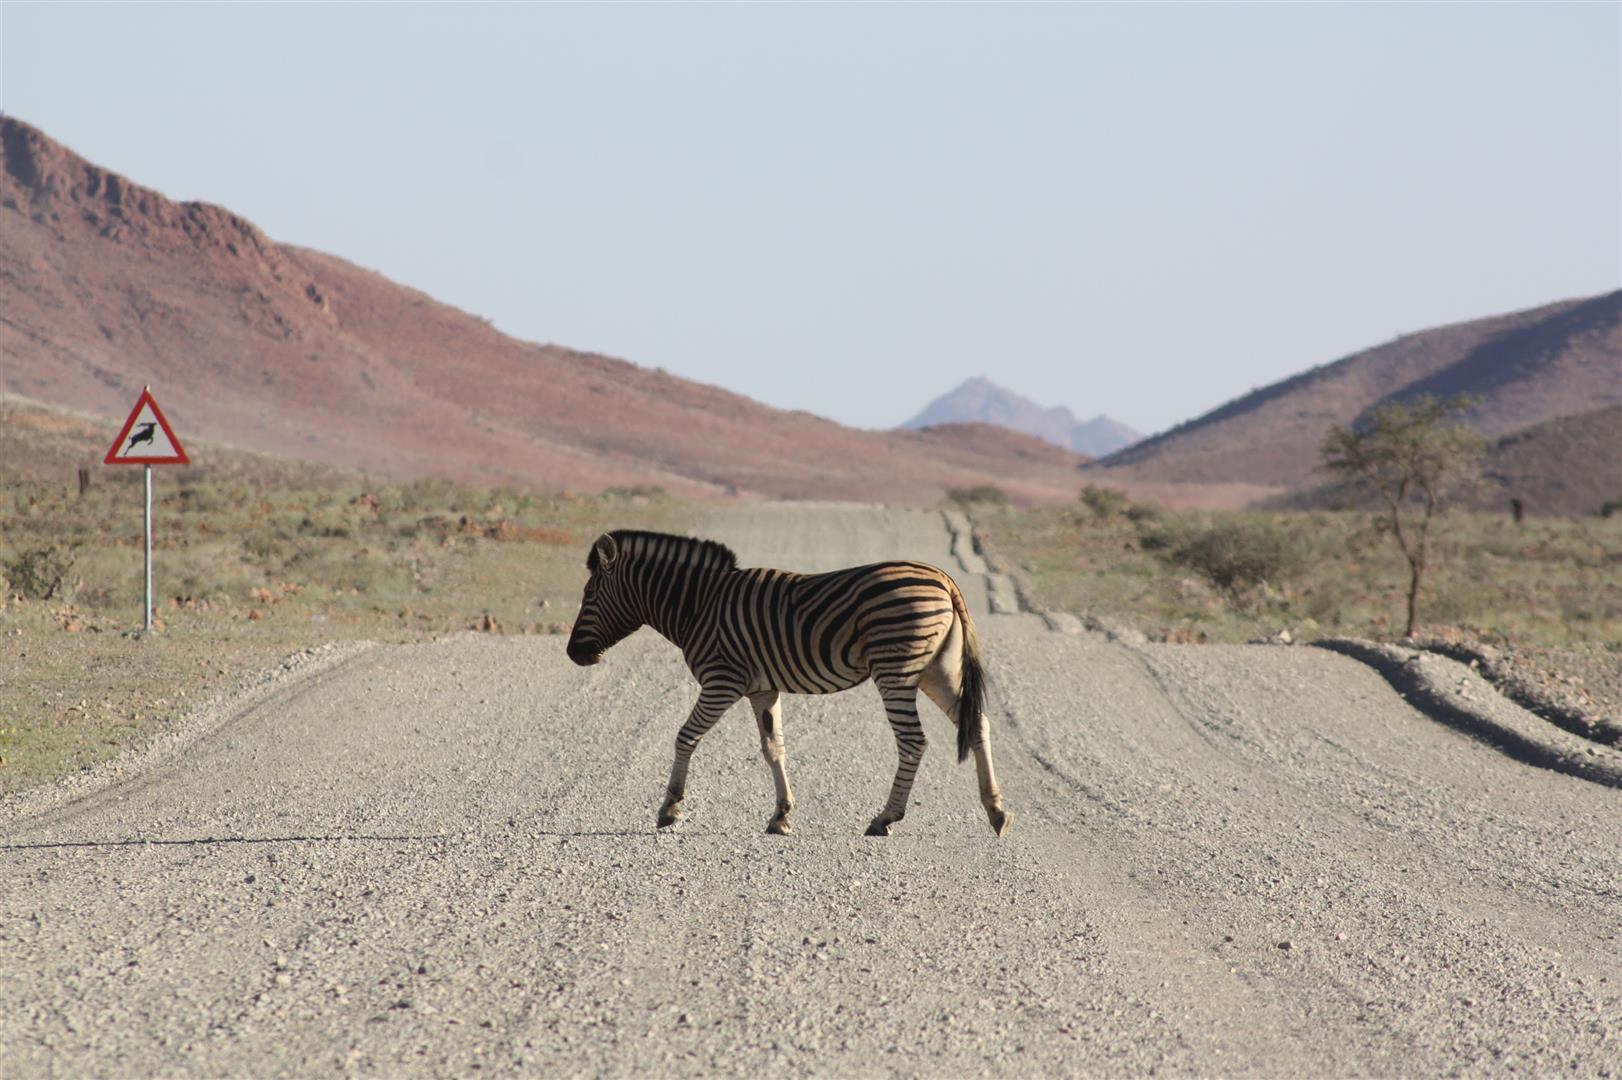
x,y
431,859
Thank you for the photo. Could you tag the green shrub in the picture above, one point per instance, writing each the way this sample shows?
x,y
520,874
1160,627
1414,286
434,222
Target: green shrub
x,y
1236,555
635,491
979,494
1158,535
38,573
1104,502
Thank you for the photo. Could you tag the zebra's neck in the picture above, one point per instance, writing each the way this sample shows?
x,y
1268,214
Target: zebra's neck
x,y
673,597
674,575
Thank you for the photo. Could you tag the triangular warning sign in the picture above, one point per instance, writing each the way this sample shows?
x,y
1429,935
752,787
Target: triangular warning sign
x,y
147,438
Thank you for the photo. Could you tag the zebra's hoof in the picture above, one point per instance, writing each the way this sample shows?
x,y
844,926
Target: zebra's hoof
x,y
669,817
999,820
778,827
880,827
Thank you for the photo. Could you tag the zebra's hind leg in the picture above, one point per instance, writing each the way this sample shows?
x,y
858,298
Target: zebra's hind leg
x,y
938,682
768,711
990,794
714,699
901,706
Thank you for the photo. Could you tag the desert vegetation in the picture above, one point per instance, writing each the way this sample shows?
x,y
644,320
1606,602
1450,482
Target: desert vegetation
x,y
1535,606
977,495
247,570
1237,576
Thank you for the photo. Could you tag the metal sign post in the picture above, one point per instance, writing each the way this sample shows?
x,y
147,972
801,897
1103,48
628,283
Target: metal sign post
x,y
147,607
147,440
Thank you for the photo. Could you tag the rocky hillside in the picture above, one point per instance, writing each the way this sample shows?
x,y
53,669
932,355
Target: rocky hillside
x,y
1525,368
106,285
1570,465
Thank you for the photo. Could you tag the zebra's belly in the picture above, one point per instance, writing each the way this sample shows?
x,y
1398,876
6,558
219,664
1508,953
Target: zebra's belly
x,y
822,682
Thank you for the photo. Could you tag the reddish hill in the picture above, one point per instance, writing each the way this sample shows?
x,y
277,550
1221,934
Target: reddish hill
x,y
106,285
975,441
1572,465
1526,368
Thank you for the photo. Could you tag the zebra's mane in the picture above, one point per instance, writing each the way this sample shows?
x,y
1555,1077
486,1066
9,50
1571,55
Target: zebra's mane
x,y
668,547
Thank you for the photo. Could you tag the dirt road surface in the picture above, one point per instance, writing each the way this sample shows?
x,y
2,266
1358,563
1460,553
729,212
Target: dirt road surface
x,y
440,860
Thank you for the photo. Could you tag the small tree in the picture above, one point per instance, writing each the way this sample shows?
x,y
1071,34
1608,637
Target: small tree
x,y
1414,457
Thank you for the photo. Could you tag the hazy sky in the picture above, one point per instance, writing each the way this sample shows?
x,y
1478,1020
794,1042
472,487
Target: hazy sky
x,y
1142,210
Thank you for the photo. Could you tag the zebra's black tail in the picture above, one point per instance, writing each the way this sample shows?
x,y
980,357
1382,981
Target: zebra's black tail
x,y
971,700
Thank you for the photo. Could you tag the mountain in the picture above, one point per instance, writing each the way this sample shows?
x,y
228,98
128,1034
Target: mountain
x,y
1571,465
981,401
51,442
106,286
1525,368
1102,435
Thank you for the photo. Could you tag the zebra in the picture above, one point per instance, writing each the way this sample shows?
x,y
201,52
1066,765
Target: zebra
x,y
761,633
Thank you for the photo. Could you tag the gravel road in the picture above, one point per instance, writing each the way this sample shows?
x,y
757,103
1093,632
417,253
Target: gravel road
x,y
440,859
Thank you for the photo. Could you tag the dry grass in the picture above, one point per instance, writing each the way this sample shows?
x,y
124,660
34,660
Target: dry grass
x,y
1549,582
246,571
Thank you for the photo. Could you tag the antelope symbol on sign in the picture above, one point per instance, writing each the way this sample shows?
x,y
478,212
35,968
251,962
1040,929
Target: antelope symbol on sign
x,y
143,434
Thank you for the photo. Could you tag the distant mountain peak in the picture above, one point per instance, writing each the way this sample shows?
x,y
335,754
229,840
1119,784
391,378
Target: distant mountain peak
x,y
978,400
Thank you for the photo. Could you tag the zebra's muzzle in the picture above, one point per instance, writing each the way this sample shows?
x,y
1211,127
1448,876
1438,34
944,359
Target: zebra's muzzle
x,y
585,656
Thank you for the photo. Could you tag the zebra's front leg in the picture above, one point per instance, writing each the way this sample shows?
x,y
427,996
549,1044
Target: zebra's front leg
x,y
714,699
769,716
901,706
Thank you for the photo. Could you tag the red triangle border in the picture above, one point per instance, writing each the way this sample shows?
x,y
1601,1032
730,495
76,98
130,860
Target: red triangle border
x,y
179,457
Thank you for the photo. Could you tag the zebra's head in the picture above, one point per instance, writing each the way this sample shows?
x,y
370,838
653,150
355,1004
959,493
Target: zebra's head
x,y
606,615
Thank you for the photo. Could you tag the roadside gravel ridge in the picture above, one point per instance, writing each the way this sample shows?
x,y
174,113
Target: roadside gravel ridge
x,y
1456,694
195,723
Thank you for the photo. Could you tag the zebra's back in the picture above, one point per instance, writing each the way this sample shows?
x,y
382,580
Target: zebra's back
x,y
822,633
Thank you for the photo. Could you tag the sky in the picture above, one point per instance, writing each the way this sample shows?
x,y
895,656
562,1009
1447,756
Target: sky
x,y
1141,210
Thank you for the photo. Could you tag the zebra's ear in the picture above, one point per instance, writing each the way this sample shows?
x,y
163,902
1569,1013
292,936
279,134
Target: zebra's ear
x,y
606,550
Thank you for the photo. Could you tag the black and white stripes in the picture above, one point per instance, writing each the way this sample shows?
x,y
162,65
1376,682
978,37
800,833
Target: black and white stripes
x,y
760,633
